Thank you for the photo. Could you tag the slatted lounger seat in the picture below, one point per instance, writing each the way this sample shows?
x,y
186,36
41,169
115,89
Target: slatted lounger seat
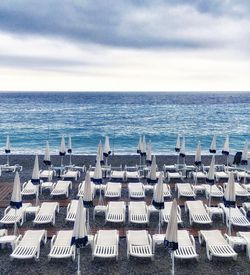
x,y
61,188
186,246
138,212
105,244
47,174
117,175
216,245
240,191
246,237
29,189
71,211
165,213
132,175
113,190
47,213
12,216
139,244
61,245
136,190
71,174
81,189
115,212
197,212
184,190
213,191
29,246
238,216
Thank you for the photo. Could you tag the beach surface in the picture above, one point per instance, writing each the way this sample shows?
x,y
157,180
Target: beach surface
x,y
162,261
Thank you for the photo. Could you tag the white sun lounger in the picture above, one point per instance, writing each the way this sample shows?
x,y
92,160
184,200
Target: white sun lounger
x,y
71,174
12,216
240,191
220,175
29,189
138,212
174,175
71,211
216,245
136,190
61,245
117,175
165,213
238,216
47,174
61,188
184,190
105,244
139,244
81,189
213,191
29,246
246,237
132,175
186,246
115,212
197,212
47,213
166,190
198,175
246,206
113,190
242,175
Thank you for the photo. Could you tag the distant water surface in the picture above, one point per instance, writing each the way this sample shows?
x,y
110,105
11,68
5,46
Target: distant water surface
x,y
32,118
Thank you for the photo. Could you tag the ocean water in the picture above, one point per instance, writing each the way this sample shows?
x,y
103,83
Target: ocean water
x,y
32,118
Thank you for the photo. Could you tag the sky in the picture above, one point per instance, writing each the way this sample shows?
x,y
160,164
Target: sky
x,y
143,45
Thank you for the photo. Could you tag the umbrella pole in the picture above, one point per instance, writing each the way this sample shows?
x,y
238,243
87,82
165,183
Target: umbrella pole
x,y
159,225
61,161
229,223
178,161
70,163
227,162
172,257
15,225
100,202
210,197
88,220
78,261
8,160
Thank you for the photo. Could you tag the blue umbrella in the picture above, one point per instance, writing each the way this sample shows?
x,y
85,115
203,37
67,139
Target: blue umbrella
x,y
87,196
62,150
16,197
35,179
70,149
212,148
210,177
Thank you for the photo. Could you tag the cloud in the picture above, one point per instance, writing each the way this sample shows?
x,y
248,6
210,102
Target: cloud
x,y
130,24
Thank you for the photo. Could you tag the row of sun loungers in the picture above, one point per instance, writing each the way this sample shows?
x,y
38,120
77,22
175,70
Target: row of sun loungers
x,y
140,244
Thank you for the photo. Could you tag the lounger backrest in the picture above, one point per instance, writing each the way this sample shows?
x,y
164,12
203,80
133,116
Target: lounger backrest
x,y
138,237
116,206
47,208
107,237
113,186
30,185
73,205
183,238
31,238
196,207
135,186
138,207
184,187
63,238
214,237
167,207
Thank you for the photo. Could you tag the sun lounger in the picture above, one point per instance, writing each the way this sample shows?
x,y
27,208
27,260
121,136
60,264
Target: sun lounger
x,y
47,213
240,191
71,174
71,211
166,190
242,175
213,191
47,174
174,175
216,245
132,175
113,190
220,175
120,175
238,216
184,190
197,212
105,244
12,216
61,188
29,189
139,244
198,175
138,212
29,246
246,237
81,189
186,246
61,245
115,212
11,168
136,190
165,213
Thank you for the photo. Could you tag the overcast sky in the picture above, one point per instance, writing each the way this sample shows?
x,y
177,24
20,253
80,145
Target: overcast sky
x,y
107,45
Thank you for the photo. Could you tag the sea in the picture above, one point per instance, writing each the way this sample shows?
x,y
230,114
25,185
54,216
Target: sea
x,y
32,118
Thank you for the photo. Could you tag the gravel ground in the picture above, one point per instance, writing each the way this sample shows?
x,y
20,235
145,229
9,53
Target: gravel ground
x,y
161,263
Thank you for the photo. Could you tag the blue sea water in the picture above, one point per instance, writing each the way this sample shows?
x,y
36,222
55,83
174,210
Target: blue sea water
x,y
32,118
